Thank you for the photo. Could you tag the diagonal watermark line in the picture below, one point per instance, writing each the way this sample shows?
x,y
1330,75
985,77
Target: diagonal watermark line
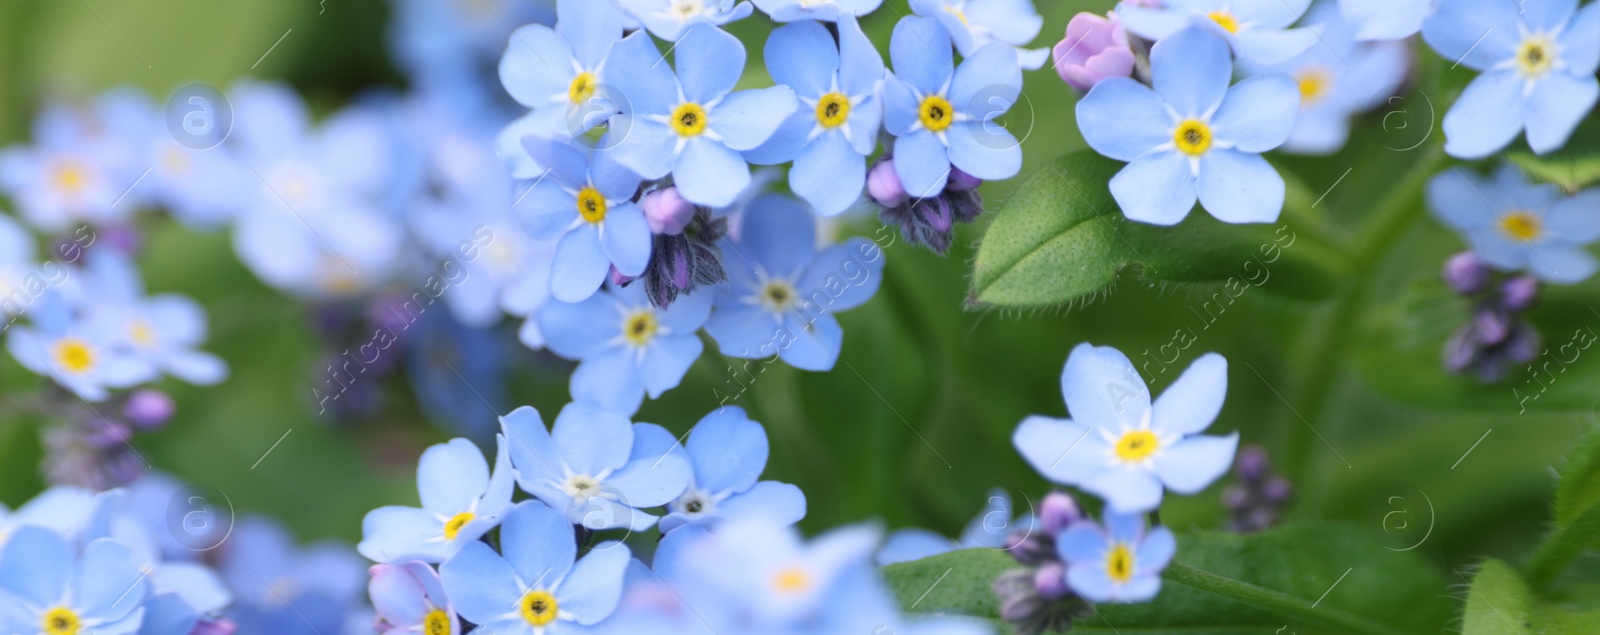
x,y
897,414
119,35
1485,600
274,447
130,187
274,589
142,574
1474,447
271,49
1330,589
1474,46
1298,415
1330,187
930,589
1070,448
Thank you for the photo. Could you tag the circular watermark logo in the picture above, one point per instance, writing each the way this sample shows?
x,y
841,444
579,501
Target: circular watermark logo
x,y
599,112
998,111
606,509
199,116
1407,520
199,517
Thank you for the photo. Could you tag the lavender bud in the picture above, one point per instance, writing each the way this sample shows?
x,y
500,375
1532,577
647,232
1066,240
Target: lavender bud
x,y
149,408
667,212
1523,345
961,181
617,279
1519,293
1277,490
1051,580
1018,608
1492,326
1465,273
214,627
1056,511
884,186
1252,463
1460,350
1031,548
1236,498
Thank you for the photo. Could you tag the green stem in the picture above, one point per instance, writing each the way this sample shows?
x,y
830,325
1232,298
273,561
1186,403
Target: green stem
x,y
1561,548
1306,612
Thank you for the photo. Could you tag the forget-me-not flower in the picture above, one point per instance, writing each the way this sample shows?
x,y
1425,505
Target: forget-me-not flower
x,y
409,598
821,10
461,500
1387,19
1120,562
766,569
71,173
539,586
163,329
63,508
835,129
47,588
1192,136
941,115
782,292
1256,30
561,73
690,125
280,588
671,19
1538,59
1121,447
587,203
728,452
1516,225
595,465
973,24
627,346
989,529
81,356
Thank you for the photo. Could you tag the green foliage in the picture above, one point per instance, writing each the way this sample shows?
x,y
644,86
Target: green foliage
x,y
1060,239
1573,167
1579,490
1498,603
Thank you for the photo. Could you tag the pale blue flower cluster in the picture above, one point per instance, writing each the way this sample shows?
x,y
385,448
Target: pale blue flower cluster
x,y
1515,225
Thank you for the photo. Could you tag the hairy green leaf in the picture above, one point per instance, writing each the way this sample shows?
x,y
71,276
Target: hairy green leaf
x,y
1580,480
1573,167
1499,603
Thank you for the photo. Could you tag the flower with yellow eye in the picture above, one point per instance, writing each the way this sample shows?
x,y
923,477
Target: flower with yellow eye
x,y
75,354
1120,446
765,568
409,598
974,24
586,204
669,19
48,586
627,347
561,73
164,330
728,452
1258,32
1513,224
461,500
1120,562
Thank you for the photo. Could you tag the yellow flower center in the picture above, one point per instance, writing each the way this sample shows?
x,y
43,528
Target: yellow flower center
x,y
1523,226
956,11
176,161
1192,137
685,9
1225,20
1136,445
62,621
454,525
74,355
1536,55
539,608
141,333
689,119
591,205
1314,82
640,327
778,295
436,623
581,89
936,113
70,176
832,110
792,580
1119,564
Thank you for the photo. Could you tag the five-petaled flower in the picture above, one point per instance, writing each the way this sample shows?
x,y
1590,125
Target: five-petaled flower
x,y
1120,562
627,346
461,500
1513,224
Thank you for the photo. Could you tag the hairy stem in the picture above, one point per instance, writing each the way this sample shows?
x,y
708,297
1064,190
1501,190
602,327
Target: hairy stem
x,y
1558,550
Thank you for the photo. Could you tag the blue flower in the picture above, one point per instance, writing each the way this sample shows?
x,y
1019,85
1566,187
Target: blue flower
x,y
408,597
47,588
63,508
728,452
80,356
181,591
1387,19
162,330
1337,79
281,589
973,24
562,74
461,500
1193,135
1513,224
1119,446
595,466
628,348
449,46
1538,75
73,172
670,19
765,568
823,10
830,137
587,203
1120,562
941,115
1256,31
690,125
989,529
458,373
536,587
782,293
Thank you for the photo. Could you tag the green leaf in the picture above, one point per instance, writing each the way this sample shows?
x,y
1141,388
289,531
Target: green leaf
x,y
1580,480
1575,166
1060,238
1498,603
1347,571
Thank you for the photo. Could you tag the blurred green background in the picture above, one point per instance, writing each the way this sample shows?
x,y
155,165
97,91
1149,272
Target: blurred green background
x,y
913,426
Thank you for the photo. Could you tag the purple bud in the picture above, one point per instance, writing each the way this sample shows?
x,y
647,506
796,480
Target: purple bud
x,y
667,212
1057,511
1523,345
1236,498
1095,49
149,408
680,268
1519,293
1021,607
936,213
123,238
617,279
1252,464
1460,350
1031,547
111,434
1051,580
884,186
961,181
214,627
1492,326
1277,490
1465,273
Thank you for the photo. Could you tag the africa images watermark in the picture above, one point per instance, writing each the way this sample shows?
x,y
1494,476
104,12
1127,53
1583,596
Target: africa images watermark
x,y
1578,343
48,275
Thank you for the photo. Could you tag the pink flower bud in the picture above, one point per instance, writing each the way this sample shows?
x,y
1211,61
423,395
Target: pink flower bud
x,y
148,408
1051,581
1096,49
667,212
884,185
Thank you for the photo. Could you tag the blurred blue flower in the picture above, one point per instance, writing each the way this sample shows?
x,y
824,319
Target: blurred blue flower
x,y
1193,135
73,172
765,569
973,24
163,330
449,45
80,356
1513,224
458,373
538,586
782,293
198,187
729,452
1538,76
585,202
1256,31
822,10
690,125
1386,19
561,74
281,589
941,115
989,529
627,347
48,587
670,19
1337,79
830,137
1119,446
595,466
461,500
63,509
20,275
409,597
182,592
1120,562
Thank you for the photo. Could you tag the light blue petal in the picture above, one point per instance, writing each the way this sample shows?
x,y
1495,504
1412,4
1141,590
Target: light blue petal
x,y
537,66
595,587
987,83
451,476
1580,42
829,174
1573,218
626,237
1141,588
1191,464
1558,103
1127,490
538,544
1486,117
1258,113
1240,188
482,587
1562,264
778,502
709,62
1150,23
1386,19
1193,401
1455,198
1061,450
688,313
508,143
865,123
844,276
1546,15
569,162
745,332
1124,527
35,564
652,479
786,142
1157,550
748,118
634,69
1273,46
580,265
397,596
1082,543
1091,581
591,27
576,331
728,450
197,584
984,149
106,585
1477,35
1191,70
900,105
708,173
393,533
906,545
668,359
802,55
922,162
1102,388
1011,21
1123,119
591,439
813,342
921,52
777,233
860,65
165,613
533,452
